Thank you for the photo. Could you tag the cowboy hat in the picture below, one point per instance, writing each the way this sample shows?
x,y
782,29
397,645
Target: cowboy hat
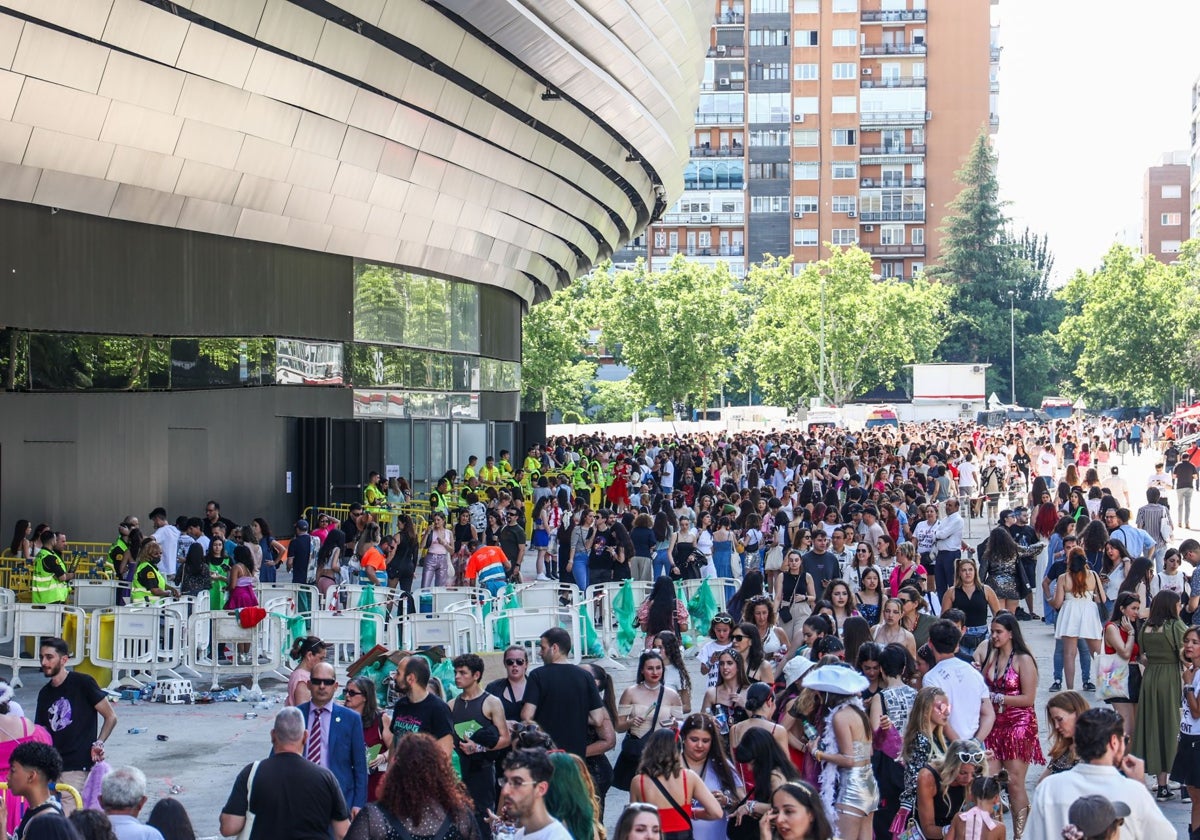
x,y
836,679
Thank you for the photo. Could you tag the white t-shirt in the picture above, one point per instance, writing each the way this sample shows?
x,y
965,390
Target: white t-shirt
x,y
1188,724
966,474
554,831
167,538
1046,463
966,690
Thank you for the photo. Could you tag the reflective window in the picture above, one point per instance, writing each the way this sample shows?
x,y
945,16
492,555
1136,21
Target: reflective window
x,y
394,306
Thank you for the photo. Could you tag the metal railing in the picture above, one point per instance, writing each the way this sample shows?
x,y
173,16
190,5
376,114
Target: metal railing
x,y
892,215
717,151
894,49
730,251
885,117
895,250
877,16
729,18
915,149
703,218
714,118
995,54
726,51
891,183
895,82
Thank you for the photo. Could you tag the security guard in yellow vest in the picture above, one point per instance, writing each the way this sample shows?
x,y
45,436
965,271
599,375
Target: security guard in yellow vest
x,y
49,582
469,470
149,584
490,474
439,499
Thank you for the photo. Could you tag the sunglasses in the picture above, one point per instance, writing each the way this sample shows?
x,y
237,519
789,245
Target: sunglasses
x,y
350,693
511,662
972,757
738,637
321,681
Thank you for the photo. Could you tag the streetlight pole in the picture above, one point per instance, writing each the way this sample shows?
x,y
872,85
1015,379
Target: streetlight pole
x,y
821,385
1012,347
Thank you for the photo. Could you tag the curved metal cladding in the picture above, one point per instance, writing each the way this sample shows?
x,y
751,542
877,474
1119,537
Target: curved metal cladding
x,y
508,142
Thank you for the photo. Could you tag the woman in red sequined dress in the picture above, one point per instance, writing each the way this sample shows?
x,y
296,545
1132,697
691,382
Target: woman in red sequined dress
x,y
1011,674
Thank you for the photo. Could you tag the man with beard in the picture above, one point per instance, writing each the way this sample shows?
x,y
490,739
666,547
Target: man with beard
x,y
70,706
1017,523
527,775
418,710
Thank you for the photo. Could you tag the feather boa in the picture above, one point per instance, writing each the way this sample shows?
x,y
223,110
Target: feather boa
x,y
830,777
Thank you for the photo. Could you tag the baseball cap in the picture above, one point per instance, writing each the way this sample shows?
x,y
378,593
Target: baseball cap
x,y
1093,815
302,524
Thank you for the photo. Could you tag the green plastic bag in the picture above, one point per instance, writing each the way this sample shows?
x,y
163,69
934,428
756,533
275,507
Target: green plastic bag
x,y
509,599
297,628
701,608
626,611
366,626
591,641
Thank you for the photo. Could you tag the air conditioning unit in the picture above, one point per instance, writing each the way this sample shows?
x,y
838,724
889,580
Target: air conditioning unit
x,y
868,228
723,82
851,214
977,369
929,115
964,406
721,49
797,118
797,215
867,71
705,218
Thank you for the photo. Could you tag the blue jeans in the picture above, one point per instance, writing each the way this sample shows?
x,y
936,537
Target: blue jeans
x,y
943,570
662,563
1085,660
579,570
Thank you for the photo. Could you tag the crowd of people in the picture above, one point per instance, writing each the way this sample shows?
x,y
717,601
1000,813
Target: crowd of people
x,y
868,678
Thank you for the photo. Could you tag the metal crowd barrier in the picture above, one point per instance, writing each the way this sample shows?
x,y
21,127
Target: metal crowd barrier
x,y
457,631
216,636
147,642
526,625
28,624
342,634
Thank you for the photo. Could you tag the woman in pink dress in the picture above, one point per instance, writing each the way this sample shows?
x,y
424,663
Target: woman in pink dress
x,y
14,731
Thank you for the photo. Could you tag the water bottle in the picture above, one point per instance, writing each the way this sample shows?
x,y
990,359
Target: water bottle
x,y
722,719
137,730
504,830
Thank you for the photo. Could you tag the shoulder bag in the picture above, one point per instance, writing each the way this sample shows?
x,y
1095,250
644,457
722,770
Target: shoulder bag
x,y
1112,675
248,825
631,750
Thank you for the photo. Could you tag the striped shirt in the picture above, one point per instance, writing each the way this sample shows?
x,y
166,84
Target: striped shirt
x,y
1150,519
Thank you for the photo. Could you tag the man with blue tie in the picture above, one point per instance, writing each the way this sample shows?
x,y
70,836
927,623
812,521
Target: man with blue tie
x,y
335,737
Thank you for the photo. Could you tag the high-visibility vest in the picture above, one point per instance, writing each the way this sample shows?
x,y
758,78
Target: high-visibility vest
x,y
116,551
437,502
44,587
141,593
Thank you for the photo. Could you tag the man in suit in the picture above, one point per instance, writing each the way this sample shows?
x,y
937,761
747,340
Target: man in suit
x,y
335,737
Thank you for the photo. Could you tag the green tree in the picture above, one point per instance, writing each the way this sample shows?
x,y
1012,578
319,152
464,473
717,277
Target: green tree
x,y
1133,326
983,262
553,375
872,328
615,402
676,328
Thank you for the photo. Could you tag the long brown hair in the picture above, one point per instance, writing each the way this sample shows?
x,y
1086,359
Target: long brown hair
x,y
422,774
1077,568
1071,702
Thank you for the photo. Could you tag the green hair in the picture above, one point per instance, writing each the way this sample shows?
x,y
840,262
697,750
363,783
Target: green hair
x,y
569,799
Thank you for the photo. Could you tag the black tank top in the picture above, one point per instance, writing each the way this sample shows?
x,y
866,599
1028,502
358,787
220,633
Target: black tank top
x,y
793,585
974,608
467,712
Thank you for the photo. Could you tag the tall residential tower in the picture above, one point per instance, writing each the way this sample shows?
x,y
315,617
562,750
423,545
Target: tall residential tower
x,y
832,121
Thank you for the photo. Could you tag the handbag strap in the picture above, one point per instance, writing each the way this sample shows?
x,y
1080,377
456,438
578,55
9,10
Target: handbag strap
x,y
671,799
658,705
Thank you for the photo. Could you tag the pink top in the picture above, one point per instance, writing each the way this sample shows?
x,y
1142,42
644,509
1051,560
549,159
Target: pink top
x,y
895,583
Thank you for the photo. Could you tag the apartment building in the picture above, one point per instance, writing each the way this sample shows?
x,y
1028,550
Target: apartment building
x,y
832,121
1166,213
1194,202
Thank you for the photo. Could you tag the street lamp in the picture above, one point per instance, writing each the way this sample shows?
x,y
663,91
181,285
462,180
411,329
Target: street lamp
x,y
1012,347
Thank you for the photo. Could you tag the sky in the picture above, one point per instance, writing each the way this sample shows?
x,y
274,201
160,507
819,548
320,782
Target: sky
x,y
1092,93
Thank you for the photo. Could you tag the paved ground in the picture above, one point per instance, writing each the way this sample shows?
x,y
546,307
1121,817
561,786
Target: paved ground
x,y
208,745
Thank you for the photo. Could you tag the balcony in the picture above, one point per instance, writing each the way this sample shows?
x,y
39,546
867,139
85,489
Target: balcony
x,y
894,250
891,183
724,51
703,219
994,120
892,216
728,251
917,149
720,118
877,118
995,54
718,151
877,16
892,49
729,18
895,82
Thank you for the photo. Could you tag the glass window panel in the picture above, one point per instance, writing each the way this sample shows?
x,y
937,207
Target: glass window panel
x,y
300,362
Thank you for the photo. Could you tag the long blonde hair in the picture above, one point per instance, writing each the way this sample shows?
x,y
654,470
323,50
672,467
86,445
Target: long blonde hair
x,y
920,722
